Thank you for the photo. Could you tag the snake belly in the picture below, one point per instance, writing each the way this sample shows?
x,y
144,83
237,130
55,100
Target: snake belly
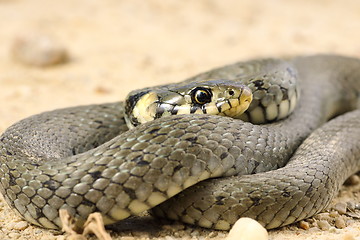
x,y
84,159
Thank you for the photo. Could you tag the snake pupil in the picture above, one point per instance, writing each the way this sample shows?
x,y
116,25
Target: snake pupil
x,y
201,95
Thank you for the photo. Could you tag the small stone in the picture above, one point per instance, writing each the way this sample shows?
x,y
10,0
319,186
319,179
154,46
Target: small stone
x,y
14,235
334,214
323,225
314,229
247,229
304,225
323,216
38,50
340,207
195,233
221,235
340,223
213,234
20,225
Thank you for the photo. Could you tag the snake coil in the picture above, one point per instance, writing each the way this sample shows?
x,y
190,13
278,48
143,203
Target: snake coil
x,y
85,160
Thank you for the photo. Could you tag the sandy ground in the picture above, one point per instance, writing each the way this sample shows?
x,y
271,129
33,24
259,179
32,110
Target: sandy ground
x,y
116,46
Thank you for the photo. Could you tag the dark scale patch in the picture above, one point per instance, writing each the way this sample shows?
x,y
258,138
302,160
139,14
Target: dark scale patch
x,y
35,164
39,213
143,163
192,139
12,179
98,121
285,93
224,155
51,184
193,109
8,153
219,200
154,130
309,192
258,83
140,161
130,192
286,194
256,200
256,164
175,110
219,107
177,168
159,112
87,203
95,175
134,121
203,108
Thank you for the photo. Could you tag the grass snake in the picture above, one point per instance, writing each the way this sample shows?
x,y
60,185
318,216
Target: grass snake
x,y
85,159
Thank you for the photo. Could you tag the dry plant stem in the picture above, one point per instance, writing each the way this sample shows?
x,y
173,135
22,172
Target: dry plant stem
x,y
94,224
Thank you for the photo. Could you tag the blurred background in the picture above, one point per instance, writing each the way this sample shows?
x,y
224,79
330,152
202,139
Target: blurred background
x,y
115,46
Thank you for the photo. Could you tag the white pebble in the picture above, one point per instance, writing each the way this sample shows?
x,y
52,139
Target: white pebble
x,y
247,229
341,207
38,50
20,225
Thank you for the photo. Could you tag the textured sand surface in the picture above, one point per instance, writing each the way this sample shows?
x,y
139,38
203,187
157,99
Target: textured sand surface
x,y
116,46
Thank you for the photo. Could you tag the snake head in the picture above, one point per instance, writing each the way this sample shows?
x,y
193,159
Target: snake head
x,y
215,97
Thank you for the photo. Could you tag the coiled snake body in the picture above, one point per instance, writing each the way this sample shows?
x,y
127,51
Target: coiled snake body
x,y
84,159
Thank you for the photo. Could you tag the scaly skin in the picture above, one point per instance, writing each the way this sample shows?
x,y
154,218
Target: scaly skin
x,y
83,159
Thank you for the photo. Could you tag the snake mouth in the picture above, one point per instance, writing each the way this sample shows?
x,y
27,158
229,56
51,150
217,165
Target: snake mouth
x,y
230,101
237,106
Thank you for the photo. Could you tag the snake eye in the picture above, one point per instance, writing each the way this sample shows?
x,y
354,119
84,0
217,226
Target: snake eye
x,y
201,95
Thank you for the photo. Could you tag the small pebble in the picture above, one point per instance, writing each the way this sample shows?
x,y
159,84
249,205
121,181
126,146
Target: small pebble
x,y
340,207
20,225
334,214
221,235
213,234
323,216
38,50
323,225
340,223
304,225
247,229
14,235
314,229
195,233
